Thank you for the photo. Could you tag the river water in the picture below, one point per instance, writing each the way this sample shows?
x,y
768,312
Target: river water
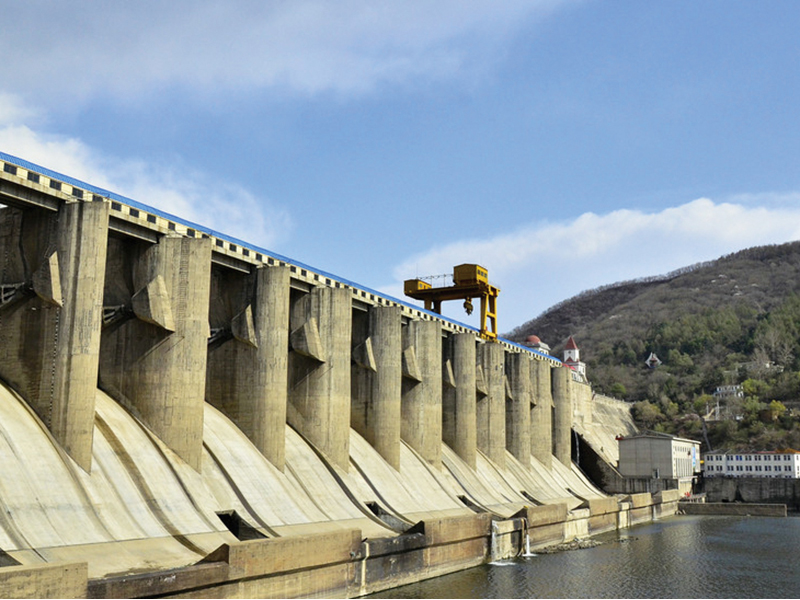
x,y
679,557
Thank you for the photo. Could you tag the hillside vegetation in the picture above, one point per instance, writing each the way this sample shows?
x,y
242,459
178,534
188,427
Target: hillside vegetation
x,y
732,321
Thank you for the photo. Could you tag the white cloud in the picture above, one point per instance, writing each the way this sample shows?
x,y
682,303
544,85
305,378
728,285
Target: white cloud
x,y
543,263
207,200
84,49
13,110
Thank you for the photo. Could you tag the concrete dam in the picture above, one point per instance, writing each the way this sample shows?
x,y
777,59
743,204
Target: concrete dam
x,y
185,414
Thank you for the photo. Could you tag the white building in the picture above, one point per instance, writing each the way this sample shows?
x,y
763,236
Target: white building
x,y
782,464
659,455
729,391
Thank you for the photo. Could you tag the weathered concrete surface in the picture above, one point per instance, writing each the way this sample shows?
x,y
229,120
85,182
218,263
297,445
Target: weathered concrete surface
x,y
518,407
50,340
248,381
640,507
178,582
157,373
665,503
256,557
123,516
538,516
421,423
319,387
417,491
753,489
542,412
54,580
639,500
307,497
376,398
459,422
508,536
562,414
491,408
609,419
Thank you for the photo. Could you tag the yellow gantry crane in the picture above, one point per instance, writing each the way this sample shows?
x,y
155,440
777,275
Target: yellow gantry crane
x,y
469,281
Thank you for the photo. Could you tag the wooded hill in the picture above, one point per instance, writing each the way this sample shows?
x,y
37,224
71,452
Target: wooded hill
x,y
735,320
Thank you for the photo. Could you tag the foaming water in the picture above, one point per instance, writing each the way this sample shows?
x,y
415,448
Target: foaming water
x,y
681,557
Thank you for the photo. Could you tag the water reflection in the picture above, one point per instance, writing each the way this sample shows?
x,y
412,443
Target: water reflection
x,y
681,557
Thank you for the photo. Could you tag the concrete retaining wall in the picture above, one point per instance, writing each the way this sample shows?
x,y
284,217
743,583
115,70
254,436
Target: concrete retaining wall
x,y
54,580
753,490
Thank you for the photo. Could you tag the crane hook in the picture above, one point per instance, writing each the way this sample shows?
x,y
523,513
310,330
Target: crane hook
x,y
468,305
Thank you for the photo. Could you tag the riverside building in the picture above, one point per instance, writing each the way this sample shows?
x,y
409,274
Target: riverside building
x,y
653,455
781,464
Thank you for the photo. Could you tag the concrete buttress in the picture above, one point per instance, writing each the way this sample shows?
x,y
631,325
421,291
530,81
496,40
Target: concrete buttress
x,y
459,424
422,400
542,412
248,373
518,407
50,337
376,397
491,409
562,418
319,371
161,374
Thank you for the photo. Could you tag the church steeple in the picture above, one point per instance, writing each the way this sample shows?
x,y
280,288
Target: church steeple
x,y
572,356
571,351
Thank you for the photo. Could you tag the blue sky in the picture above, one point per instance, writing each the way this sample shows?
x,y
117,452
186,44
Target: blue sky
x,y
561,144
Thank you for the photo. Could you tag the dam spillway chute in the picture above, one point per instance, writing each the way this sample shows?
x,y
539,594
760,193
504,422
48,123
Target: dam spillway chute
x,y
305,498
122,517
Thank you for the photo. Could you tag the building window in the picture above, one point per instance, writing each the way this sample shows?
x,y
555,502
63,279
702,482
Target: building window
x,y
767,457
758,467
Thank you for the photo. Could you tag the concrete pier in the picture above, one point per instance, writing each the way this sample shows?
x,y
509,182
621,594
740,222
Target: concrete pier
x,y
319,371
518,407
491,410
542,412
377,382
50,337
422,400
155,364
562,415
248,371
459,421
